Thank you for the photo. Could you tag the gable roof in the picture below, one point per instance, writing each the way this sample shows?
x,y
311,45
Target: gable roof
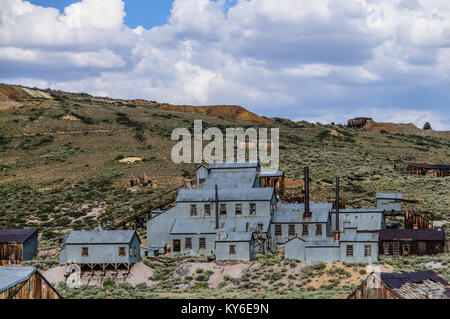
x,y
227,165
97,236
16,235
412,234
293,213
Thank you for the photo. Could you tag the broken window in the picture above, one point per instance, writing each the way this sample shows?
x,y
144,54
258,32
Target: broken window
x,y
318,229
84,252
188,243
193,210
223,209
232,249
278,231
207,209
131,252
349,250
121,251
367,251
386,248
305,230
291,231
238,209
252,208
202,243
396,248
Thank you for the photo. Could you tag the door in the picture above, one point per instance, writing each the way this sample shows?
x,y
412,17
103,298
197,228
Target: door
x,y
422,247
406,250
176,245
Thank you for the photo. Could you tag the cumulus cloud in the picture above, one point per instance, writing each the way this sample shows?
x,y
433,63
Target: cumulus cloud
x,y
322,60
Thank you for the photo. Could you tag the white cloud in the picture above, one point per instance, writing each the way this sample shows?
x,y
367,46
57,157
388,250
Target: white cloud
x,y
292,58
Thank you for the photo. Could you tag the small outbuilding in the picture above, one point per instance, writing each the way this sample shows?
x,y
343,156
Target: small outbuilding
x,y
102,248
25,283
17,245
413,285
412,241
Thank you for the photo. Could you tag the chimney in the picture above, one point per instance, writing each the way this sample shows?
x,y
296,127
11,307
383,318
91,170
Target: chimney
x,y
217,207
337,232
307,212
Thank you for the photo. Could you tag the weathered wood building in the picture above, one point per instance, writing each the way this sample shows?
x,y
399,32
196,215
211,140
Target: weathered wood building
x,y
101,248
17,245
414,285
432,170
411,241
358,122
25,283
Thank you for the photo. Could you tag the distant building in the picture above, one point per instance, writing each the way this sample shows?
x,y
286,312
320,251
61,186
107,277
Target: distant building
x,y
413,285
432,170
25,283
358,122
102,248
17,245
412,241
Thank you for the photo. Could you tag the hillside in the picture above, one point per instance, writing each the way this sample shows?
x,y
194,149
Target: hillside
x,y
61,168
399,128
233,112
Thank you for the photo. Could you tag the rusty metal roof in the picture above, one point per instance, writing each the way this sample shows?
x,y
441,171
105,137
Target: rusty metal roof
x,y
412,234
16,235
430,166
397,280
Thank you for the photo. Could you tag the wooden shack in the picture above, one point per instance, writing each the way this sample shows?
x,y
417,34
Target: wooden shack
x,y
414,285
432,170
17,245
25,283
411,241
275,180
358,122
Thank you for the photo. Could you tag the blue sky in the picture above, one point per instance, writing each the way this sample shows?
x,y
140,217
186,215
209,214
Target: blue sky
x,y
148,13
320,61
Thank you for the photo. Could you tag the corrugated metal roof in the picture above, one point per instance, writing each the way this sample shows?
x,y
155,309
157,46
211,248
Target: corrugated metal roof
x,y
16,235
412,234
237,194
323,242
274,174
226,165
97,236
397,280
11,276
358,210
389,195
358,237
293,213
231,180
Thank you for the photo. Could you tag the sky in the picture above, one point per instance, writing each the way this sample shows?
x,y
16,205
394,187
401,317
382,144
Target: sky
x,y
321,61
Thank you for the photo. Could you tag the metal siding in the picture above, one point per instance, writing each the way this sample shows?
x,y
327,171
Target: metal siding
x,y
242,251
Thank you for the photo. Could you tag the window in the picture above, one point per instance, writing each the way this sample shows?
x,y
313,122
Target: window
x,y
252,208
134,252
232,249
291,231
188,243
318,229
278,231
260,227
131,252
176,245
121,251
202,243
367,251
207,209
238,209
223,209
43,287
396,248
349,250
193,210
272,209
305,230
30,286
84,252
20,292
386,248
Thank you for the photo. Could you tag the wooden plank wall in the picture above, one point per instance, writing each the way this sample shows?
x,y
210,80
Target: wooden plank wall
x,y
10,254
40,289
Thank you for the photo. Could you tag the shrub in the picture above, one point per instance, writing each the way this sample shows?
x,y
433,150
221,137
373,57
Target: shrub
x,y
109,283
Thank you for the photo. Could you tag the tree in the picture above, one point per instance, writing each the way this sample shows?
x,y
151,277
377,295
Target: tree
x,y
427,126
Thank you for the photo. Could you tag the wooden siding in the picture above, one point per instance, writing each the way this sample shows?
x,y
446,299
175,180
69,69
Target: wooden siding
x,y
10,254
415,247
40,289
383,292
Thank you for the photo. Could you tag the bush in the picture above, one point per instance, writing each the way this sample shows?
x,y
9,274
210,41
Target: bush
x,y
109,283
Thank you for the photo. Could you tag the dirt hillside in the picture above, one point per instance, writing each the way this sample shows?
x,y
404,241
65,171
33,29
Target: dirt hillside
x,y
10,95
234,112
402,128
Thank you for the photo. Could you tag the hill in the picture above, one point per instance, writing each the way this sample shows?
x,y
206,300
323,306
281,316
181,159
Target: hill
x,y
61,168
400,128
233,112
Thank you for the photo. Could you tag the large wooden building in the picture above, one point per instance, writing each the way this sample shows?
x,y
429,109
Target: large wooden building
x,y
411,241
25,283
17,245
432,170
414,285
